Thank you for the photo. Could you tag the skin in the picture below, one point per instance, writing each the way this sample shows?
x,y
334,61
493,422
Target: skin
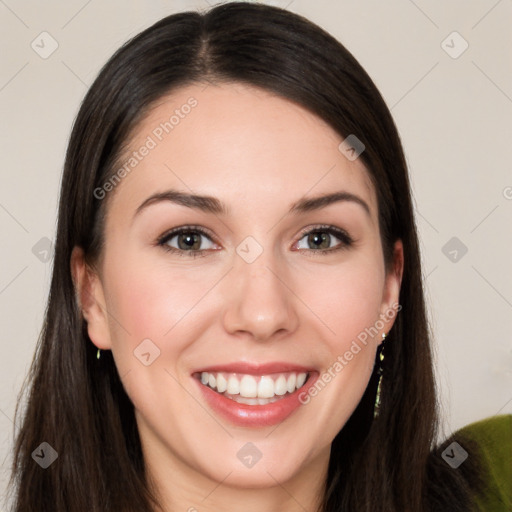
x,y
258,154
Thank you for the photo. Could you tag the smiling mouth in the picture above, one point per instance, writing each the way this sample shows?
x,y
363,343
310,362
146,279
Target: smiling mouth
x,y
253,389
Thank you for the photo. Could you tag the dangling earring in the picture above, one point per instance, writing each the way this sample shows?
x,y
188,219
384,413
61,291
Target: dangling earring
x,y
380,370
98,354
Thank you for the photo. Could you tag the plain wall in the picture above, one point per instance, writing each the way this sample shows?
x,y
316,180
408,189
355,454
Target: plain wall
x,y
454,114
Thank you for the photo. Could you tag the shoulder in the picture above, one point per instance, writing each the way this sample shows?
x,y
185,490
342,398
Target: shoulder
x,y
492,438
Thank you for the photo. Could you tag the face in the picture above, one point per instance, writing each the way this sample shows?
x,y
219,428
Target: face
x,y
217,309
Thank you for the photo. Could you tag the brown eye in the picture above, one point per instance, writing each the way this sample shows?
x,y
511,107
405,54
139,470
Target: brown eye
x,y
186,240
321,239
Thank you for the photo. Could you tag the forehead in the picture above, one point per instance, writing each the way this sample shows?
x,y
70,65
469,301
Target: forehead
x,y
238,143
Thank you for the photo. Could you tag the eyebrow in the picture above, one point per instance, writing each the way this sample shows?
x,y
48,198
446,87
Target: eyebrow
x,y
209,204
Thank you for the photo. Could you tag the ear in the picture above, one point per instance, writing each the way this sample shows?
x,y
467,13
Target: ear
x,y
391,293
89,291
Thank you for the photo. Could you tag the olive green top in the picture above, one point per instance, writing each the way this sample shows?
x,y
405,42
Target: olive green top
x,y
494,438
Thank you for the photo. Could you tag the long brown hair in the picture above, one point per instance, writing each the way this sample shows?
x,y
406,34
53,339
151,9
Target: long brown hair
x,y
78,405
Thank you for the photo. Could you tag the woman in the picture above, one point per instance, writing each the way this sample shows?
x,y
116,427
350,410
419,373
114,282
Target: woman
x,y
236,316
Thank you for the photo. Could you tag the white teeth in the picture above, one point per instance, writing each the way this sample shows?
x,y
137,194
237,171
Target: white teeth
x,y
222,383
251,389
280,385
248,387
290,384
253,401
233,386
265,387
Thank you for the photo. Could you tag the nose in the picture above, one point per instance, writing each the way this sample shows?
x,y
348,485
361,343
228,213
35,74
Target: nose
x,y
261,300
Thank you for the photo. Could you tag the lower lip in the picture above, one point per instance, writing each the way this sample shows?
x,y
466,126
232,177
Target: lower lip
x,y
255,415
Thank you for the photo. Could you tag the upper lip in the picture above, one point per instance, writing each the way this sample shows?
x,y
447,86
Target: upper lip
x,y
255,368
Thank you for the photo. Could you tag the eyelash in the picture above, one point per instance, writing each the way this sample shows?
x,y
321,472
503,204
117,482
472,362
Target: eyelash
x,y
345,240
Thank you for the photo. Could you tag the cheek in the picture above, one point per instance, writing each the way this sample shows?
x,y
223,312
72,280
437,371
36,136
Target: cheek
x,y
346,298
349,305
152,311
153,301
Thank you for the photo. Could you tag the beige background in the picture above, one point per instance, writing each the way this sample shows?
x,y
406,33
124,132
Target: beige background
x,y
454,115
